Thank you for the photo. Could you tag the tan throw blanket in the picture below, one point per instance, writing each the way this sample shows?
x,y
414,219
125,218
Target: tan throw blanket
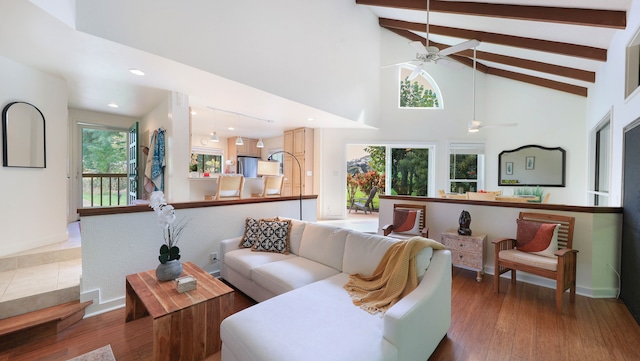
x,y
395,276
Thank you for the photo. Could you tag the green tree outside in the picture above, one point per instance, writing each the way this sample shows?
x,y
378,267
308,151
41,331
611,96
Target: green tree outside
x,y
414,95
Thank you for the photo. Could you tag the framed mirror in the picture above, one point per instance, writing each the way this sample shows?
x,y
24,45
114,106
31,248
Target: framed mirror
x,y
532,165
23,136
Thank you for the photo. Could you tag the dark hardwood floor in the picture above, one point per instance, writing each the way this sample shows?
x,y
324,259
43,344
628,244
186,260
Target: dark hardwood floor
x,y
518,324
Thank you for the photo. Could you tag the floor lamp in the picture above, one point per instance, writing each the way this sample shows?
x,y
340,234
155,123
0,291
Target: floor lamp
x,y
300,172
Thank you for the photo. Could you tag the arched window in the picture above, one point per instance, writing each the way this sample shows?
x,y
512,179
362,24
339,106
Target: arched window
x,y
421,92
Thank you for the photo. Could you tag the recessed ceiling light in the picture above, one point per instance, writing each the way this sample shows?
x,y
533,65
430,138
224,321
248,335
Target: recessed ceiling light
x,y
230,128
193,113
113,105
136,72
310,119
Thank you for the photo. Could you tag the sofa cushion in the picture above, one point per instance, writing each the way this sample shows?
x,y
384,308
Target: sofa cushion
x,y
284,276
295,236
244,260
317,322
538,238
323,243
250,234
363,252
273,236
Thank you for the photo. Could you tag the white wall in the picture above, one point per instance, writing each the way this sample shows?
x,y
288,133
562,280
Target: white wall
x,y
114,246
328,48
608,94
539,112
596,237
34,200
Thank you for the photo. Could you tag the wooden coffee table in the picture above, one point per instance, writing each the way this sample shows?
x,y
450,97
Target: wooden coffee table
x,y
186,326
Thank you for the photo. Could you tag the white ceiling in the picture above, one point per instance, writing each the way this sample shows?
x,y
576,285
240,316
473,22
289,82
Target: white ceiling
x,y
96,69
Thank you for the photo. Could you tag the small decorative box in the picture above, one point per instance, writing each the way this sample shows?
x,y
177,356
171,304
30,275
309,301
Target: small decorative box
x,y
186,283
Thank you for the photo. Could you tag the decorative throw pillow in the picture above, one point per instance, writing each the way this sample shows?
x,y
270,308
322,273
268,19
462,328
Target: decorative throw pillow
x,y
538,238
273,236
406,220
250,233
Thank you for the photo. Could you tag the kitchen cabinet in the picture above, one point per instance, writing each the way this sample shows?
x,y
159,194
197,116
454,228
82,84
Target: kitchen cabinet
x,y
298,142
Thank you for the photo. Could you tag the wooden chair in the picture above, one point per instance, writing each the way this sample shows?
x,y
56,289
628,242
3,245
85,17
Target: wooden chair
x,y
442,193
272,186
562,268
358,203
481,196
421,229
229,187
546,198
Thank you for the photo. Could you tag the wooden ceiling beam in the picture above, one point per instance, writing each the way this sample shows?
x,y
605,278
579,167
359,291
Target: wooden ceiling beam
x,y
551,84
564,71
580,51
614,19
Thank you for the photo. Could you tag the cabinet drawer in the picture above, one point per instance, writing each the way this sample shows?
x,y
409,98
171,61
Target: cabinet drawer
x,y
466,245
466,259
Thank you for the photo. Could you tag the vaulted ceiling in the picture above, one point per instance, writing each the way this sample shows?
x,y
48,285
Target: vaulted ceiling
x,y
558,44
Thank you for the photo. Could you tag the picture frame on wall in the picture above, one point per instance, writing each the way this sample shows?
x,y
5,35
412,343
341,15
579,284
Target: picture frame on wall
x,y
530,163
509,168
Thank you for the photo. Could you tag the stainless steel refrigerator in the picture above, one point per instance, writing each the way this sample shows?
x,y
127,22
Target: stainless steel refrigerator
x,y
248,166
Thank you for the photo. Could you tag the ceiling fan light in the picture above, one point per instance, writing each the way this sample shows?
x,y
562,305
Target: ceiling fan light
x,y
260,144
214,137
239,141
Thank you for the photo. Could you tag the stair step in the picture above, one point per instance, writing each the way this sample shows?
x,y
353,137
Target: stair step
x,y
53,319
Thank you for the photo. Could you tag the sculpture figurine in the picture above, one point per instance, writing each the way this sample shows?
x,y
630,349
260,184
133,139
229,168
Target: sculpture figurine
x,y
464,221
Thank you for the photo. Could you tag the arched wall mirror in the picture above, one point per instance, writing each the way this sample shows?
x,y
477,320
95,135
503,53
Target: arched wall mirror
x,y
23,136
532,165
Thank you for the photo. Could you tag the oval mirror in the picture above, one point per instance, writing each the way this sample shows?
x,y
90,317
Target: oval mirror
x,y
23,136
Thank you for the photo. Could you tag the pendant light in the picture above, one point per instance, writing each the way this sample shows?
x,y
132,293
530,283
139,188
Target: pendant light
x,y
473,125
260,144
239,141
214,136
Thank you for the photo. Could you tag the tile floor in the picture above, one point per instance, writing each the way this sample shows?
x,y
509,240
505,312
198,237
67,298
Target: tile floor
x,y
41,270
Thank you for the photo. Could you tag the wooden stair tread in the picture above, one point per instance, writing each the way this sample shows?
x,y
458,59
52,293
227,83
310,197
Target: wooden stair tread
x,y
51,314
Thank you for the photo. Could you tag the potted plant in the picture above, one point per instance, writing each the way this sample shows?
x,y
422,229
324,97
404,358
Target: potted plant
x,y
170,266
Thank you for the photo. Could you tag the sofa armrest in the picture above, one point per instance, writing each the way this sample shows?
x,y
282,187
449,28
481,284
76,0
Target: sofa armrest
x,y
417,323
228,245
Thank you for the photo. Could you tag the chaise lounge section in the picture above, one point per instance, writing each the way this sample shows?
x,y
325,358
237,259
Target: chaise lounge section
x,y
306,314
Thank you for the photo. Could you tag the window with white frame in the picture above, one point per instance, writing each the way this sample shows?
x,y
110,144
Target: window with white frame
x,y
600,163
420,92
466,167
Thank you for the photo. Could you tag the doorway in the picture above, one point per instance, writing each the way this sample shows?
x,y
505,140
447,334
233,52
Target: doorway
x,y
630,260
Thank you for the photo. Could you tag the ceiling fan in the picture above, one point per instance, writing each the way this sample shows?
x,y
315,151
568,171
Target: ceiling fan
x,y
431,54
476,125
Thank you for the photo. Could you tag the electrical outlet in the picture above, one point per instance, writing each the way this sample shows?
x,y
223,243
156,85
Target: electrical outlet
x,y
213,256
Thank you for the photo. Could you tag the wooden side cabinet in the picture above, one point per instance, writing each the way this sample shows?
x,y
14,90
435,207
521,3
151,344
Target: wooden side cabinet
x,y
466,251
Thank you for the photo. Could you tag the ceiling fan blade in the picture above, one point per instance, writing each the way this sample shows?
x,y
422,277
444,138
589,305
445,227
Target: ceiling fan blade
x,y
416,71
450,63
460,47
417,46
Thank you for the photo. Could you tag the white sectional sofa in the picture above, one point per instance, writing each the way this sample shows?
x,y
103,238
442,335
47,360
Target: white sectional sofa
x,y
305,313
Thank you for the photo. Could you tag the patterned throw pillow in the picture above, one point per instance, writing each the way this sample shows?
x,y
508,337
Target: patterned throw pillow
x,y
406,220
273,236
537,238
250,233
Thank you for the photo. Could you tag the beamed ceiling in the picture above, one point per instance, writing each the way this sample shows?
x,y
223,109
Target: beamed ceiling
x,y
558,47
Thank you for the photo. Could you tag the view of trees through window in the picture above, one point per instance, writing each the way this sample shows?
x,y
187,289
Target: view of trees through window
x,y
104,167
463,172
408,170
420,92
